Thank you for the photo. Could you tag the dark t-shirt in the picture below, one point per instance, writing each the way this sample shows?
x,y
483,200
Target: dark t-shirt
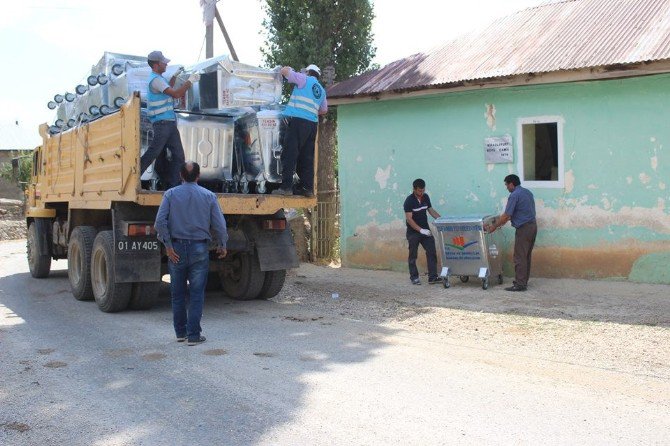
x,y
418,210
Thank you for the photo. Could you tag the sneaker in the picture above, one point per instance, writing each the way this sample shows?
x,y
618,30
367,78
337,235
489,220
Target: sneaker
x,y
281,191
416,282
516,287
199,340
434,281
181,338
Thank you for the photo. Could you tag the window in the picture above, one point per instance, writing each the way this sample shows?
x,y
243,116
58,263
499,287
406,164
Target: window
x,y
540,151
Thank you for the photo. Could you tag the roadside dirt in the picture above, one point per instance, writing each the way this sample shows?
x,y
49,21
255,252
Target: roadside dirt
x,y
12,224
614,326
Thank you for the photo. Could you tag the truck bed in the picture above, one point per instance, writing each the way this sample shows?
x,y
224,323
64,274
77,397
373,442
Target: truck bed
x,y
97,164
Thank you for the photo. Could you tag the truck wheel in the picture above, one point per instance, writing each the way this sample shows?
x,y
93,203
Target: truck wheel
x,y
273,283
213,281
109,295
245,280
144,295
38,261
79,251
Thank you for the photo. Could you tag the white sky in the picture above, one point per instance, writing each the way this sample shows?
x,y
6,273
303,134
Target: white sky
x,y
49,46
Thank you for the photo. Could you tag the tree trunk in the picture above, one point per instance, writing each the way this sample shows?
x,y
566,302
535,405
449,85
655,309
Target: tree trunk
x,y
324,219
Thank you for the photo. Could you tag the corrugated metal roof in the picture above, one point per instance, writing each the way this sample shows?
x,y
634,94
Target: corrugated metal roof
x,y
555,36
15,137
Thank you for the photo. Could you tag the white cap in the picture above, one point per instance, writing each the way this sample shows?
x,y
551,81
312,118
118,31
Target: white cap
x,y
314,68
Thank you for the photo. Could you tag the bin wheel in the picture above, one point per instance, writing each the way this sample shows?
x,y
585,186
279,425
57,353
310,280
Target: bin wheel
x,y
465,279
485,284
445,282
500,279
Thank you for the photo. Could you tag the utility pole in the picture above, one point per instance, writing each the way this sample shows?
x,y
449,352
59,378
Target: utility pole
x,y
209,40
209,30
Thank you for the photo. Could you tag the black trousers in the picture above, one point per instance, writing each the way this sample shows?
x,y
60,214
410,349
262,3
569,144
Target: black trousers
x,y
298,153
415,239
524,240
166,134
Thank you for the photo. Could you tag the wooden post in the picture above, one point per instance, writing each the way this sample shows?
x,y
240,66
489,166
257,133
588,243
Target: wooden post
x,y
233,54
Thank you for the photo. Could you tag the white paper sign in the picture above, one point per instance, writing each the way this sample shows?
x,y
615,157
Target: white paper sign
x,y
499,149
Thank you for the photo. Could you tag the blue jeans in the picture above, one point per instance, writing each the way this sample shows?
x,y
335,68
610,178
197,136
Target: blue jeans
x,y
193,267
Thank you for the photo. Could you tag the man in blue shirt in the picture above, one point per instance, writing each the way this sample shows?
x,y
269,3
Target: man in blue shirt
x,y
308,101
183,224
416,205
520,210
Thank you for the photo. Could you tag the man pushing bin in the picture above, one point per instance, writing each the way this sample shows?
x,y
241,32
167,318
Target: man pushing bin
x,y
416,206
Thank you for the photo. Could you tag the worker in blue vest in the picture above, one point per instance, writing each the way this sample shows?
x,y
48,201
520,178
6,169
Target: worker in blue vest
x,y
160,110
308,101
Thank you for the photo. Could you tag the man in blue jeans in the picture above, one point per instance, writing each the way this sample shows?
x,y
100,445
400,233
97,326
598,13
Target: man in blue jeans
x,y
183,224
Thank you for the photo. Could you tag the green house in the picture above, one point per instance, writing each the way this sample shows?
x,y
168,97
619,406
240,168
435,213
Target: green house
x,y
572,96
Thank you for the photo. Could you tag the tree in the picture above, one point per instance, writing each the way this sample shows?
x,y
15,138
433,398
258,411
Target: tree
x,y
335,33
20,173
337,36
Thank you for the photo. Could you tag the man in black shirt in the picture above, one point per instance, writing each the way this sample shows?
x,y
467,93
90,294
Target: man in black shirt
x,y
418,232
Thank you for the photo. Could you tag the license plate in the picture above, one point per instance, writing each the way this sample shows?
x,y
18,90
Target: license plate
x,y
137,245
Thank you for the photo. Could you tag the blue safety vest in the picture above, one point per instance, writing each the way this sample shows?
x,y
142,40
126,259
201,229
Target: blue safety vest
x,y
159,105
305,101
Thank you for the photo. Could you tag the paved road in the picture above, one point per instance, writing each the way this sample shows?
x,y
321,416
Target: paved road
x,y
277,373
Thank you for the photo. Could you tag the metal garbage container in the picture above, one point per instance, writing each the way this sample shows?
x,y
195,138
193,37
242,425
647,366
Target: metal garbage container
x,y
467,250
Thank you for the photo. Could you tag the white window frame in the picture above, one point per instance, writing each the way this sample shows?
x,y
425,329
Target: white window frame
x,y
559,121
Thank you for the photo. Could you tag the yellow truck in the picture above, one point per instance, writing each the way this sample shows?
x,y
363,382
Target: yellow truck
x,y
86,204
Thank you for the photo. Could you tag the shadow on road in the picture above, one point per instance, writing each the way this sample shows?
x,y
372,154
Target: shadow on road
x,y
75,375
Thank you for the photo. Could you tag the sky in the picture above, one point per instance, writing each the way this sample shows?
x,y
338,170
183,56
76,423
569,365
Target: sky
x,y
49,46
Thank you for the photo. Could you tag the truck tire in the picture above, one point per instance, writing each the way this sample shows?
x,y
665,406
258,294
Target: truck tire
x,y
273,283
245,280
79,250
109,295
213,281
38,261
144,295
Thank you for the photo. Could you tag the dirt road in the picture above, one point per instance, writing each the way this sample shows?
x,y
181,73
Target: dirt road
x,y
568,362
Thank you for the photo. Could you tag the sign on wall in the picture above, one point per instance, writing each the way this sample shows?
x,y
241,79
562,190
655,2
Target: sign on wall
x,y
498,149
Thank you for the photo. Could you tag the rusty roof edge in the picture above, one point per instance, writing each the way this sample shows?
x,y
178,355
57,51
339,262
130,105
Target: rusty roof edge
x,y
603,72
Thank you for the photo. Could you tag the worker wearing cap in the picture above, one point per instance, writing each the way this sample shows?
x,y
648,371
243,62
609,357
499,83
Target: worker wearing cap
x,y
308,101
160,110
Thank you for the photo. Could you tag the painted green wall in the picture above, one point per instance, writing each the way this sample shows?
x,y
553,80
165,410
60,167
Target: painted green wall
x,y
610,219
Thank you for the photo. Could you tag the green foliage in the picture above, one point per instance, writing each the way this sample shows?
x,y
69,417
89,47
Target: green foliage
x,y
334,33
25,170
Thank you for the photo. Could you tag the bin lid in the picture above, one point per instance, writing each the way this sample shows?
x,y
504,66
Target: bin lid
x,y
269,114
464,218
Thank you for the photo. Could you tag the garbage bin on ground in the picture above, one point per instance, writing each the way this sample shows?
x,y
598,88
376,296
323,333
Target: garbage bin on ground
x,y
467,250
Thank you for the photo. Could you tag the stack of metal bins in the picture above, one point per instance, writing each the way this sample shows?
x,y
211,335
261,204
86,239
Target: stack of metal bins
x,y
230,119
236,137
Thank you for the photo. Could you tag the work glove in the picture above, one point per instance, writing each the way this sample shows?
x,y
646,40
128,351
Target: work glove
x,y
178,72
425,232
